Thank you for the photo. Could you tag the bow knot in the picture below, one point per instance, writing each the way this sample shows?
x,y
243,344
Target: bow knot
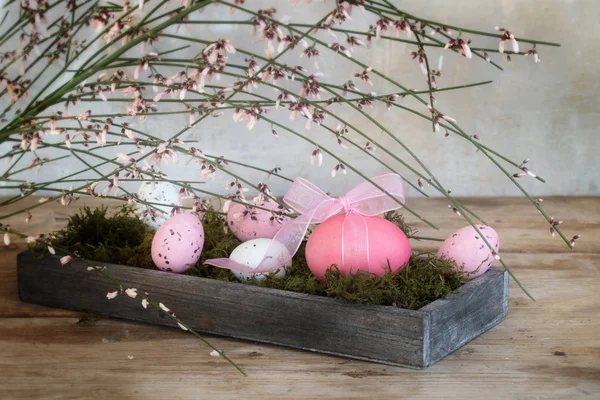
x,y
346,204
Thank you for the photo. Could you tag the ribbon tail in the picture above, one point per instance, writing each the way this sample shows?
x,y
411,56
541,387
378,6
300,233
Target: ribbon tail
x,y
227,263
285,244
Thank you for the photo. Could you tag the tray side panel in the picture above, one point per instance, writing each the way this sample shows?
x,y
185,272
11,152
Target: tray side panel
x,y
458,319
375,333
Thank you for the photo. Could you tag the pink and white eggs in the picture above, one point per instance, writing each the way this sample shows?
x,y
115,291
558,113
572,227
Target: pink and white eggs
x,y
469,251
177,244
248,223
355,242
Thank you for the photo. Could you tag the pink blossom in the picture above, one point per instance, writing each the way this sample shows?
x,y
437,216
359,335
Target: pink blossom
x,y
536,58
364,75
162,94
403,26
112,295
65,260
317,155
381,25
354,41
338,48
182,326
464,48
337,168
84,115
126,160
311,53
507,35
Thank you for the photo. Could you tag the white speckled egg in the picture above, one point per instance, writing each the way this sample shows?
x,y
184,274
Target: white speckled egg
x,y
251,253
160,192
469,251
178,243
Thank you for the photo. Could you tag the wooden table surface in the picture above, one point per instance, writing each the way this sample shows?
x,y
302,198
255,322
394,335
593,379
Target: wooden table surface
x,y
545,349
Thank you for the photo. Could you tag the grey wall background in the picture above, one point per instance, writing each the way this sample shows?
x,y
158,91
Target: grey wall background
x,y
548,112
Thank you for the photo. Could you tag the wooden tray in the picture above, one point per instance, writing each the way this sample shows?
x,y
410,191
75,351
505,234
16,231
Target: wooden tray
x,y
387,335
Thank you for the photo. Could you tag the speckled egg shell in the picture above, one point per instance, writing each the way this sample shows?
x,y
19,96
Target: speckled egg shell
x,y
245,228
178,243
386,244
469,251
251,253
161,192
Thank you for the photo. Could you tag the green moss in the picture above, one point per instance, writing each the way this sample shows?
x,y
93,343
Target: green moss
x,y
397,219
218,243
122,238
115,238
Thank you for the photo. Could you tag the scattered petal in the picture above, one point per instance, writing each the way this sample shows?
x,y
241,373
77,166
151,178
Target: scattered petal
x,y
182,327
112,295
65,260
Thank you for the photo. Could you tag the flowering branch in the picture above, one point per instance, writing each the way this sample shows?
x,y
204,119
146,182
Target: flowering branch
x,y
85,68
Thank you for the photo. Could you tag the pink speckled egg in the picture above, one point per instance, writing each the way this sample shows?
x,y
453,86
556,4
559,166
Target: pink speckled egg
x,y
355,242
469,251
254,223
177,244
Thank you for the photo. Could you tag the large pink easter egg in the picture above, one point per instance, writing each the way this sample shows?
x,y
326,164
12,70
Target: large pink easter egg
x,y
354,242
468,250
248,223
177,244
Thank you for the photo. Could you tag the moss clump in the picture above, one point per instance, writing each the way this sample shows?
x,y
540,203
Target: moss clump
x,y
123,239
397,219
218,243
423,280
116,238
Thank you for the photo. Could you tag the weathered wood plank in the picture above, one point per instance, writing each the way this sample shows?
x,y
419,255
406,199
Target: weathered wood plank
x,y
458,319
383,334
56,359
10,305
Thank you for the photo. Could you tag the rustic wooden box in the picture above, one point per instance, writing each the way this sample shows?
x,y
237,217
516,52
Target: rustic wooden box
x,y
388,335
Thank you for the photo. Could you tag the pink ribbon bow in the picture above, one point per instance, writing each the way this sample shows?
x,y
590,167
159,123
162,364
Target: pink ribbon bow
x,y
316,206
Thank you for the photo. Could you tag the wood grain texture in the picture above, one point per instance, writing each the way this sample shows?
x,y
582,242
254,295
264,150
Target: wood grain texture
x,y
387,335
548,349
457,320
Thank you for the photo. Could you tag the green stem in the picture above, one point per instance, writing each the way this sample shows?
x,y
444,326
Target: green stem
x,y
464,30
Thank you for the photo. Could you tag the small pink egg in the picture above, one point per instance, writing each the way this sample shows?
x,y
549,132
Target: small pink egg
x,y
340,241
254,223
177,244
469,251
